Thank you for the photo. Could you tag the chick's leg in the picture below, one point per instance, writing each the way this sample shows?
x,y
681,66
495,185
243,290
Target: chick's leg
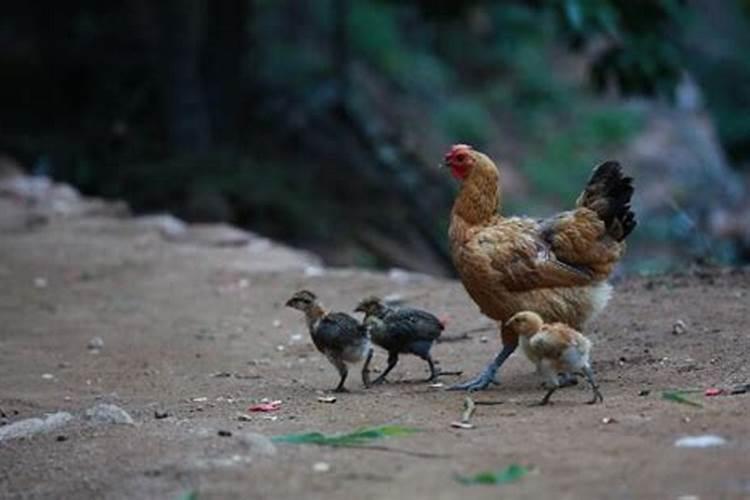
x,y
551,381
366,369
594,387
487,376
392,360
343,372
433,372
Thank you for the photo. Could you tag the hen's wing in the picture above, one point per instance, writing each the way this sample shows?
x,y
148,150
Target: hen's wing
x,y
521,260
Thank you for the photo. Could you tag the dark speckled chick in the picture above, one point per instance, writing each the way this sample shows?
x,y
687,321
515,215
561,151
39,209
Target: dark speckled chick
x,y
400,331
341,338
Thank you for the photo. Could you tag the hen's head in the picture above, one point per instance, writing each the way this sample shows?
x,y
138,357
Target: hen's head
x,y
462,159
302,300
524,323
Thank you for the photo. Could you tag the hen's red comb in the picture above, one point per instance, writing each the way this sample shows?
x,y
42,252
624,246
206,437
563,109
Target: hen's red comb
x,y
457,148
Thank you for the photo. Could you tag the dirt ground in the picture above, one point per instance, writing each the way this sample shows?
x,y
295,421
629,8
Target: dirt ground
x,y
199,331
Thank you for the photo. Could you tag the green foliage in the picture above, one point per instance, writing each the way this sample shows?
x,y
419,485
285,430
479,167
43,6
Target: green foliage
x,y
356,438
679,396
466,120
510,474
568,151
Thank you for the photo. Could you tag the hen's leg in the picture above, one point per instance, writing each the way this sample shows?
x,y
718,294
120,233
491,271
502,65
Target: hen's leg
x,y
567,379
487,376
392,360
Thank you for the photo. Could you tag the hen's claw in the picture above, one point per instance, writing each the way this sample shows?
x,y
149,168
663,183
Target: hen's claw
x,y
479,383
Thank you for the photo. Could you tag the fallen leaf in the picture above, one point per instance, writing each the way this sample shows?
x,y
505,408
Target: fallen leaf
x,y
355,438
512,473
679,397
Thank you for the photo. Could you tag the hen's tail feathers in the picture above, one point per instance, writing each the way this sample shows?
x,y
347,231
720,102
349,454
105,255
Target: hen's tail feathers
x,y
608,193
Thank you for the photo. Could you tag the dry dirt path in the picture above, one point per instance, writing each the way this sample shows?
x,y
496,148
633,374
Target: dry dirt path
x,y
196,329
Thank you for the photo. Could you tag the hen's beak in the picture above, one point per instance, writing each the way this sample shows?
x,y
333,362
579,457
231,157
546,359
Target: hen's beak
x,y
289,302
359,309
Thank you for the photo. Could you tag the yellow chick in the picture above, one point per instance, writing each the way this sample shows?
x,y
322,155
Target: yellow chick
x,y
554,348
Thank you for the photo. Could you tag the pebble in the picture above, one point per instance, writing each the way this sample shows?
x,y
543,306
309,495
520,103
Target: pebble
x,y
321,467
47,376
160,414
704,441
31,426
224,433
105,413
96,344
679,327
40,282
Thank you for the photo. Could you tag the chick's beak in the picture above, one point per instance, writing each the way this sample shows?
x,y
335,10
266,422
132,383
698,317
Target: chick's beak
x,y
289,302
359,309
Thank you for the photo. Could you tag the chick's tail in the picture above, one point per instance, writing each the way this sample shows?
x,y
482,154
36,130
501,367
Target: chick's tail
x,y
608,193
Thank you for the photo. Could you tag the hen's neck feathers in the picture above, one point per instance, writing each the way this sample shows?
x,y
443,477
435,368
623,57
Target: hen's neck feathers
x,y
478,200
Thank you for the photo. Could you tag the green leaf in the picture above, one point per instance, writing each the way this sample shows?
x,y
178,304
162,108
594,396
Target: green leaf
x,y
679,397
355,438
510,474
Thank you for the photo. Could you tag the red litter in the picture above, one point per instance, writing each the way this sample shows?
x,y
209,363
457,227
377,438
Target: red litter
x,y
713,391
271,406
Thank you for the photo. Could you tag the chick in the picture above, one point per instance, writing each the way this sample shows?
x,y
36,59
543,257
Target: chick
x,y
554,348
338,336
400,331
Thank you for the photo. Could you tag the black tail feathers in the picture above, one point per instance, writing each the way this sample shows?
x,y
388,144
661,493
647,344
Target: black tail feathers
x,y
608,193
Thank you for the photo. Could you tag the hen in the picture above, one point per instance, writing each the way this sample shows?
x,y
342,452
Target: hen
x,y
400,331
338,336
556,267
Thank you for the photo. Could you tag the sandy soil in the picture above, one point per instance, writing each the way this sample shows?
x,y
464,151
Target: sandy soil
x,y
185,321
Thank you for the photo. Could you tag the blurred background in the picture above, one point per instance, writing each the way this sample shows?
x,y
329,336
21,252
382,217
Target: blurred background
x,y
321,123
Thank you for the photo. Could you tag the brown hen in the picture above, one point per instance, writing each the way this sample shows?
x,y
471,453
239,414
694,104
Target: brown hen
x,y
556,267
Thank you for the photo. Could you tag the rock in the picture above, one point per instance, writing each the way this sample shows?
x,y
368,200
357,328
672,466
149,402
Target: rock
x,y
321,467
704,441
169,226
224,433
96,344
679,327
160,414
218,235
257,444
31,426
105,413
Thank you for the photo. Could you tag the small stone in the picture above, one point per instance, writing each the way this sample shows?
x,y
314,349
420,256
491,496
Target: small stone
x,y
31,426
47,376
462,425
61,438
483,339
276,323
705,441
327,399
244,417
609,420
40,282
321,467
224,433
201,399
105,413
644,392
679,327
160,414
96,344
